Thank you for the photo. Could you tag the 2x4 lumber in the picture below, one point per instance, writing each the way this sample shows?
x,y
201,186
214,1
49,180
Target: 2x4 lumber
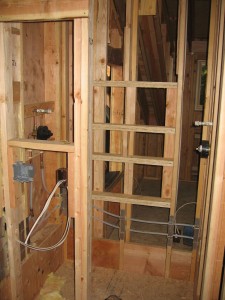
x,y
53,77
116,116
28,10
99,104
130,73
7,132
135,84
82,175
160,46
135,128
182,33
132,199
169,142
206,166
42,145
212,247
135,159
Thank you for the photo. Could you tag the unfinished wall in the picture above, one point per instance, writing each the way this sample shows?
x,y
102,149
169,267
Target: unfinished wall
x,y
191,135
36,80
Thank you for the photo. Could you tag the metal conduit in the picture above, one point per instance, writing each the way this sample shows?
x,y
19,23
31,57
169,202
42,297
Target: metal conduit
x,y
144,232
142,221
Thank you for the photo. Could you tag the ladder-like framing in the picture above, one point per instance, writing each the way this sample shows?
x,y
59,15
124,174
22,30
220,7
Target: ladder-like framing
x,y
171,130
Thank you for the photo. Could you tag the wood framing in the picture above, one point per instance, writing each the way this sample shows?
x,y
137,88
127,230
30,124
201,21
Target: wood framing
x,y
99,101
207,260
11,135
105,71
82,167
43,10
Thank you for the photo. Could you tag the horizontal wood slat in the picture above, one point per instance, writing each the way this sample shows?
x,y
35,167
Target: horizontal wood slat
x,y
42,145
134,128
136,84
141,160
29,10
131,199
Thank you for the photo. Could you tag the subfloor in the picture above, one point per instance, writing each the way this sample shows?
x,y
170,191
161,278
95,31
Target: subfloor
x,y
126,286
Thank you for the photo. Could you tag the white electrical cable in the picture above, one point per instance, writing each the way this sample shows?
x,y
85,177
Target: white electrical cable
x,y
175,215
59,243
44,209
43,180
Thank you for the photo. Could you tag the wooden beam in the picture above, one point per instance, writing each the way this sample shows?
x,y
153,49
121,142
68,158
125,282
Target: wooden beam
x,y
135,128
135,84
82,166
28,10
8,131
135,159
99,99
116,116
182,24
169,142
42,145
213,232
132,199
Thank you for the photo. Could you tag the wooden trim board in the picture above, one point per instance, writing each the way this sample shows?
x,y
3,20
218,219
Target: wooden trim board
x,y
37,10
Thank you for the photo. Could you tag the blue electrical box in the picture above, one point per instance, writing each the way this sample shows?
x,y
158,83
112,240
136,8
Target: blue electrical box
x,y
189,232
23,172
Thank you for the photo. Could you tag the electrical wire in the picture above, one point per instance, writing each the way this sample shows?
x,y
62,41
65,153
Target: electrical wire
x,y
44,209
106,223
141,220
149,232
45,216
106,212
59,243
175,215
148,222
144,232
43,180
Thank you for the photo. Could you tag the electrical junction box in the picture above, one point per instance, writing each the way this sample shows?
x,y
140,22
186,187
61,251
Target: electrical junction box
x,y
23,172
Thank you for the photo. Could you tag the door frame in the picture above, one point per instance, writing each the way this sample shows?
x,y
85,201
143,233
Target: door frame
x,y
209,212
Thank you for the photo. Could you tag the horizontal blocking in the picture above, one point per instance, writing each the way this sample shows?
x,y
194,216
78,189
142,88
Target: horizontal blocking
x,y
136,84
42,145
134,128
135,159
131,199
30,10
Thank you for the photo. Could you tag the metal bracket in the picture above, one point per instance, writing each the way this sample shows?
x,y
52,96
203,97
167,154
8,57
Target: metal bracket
x,y
122,224
199,123
170,231
196,234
